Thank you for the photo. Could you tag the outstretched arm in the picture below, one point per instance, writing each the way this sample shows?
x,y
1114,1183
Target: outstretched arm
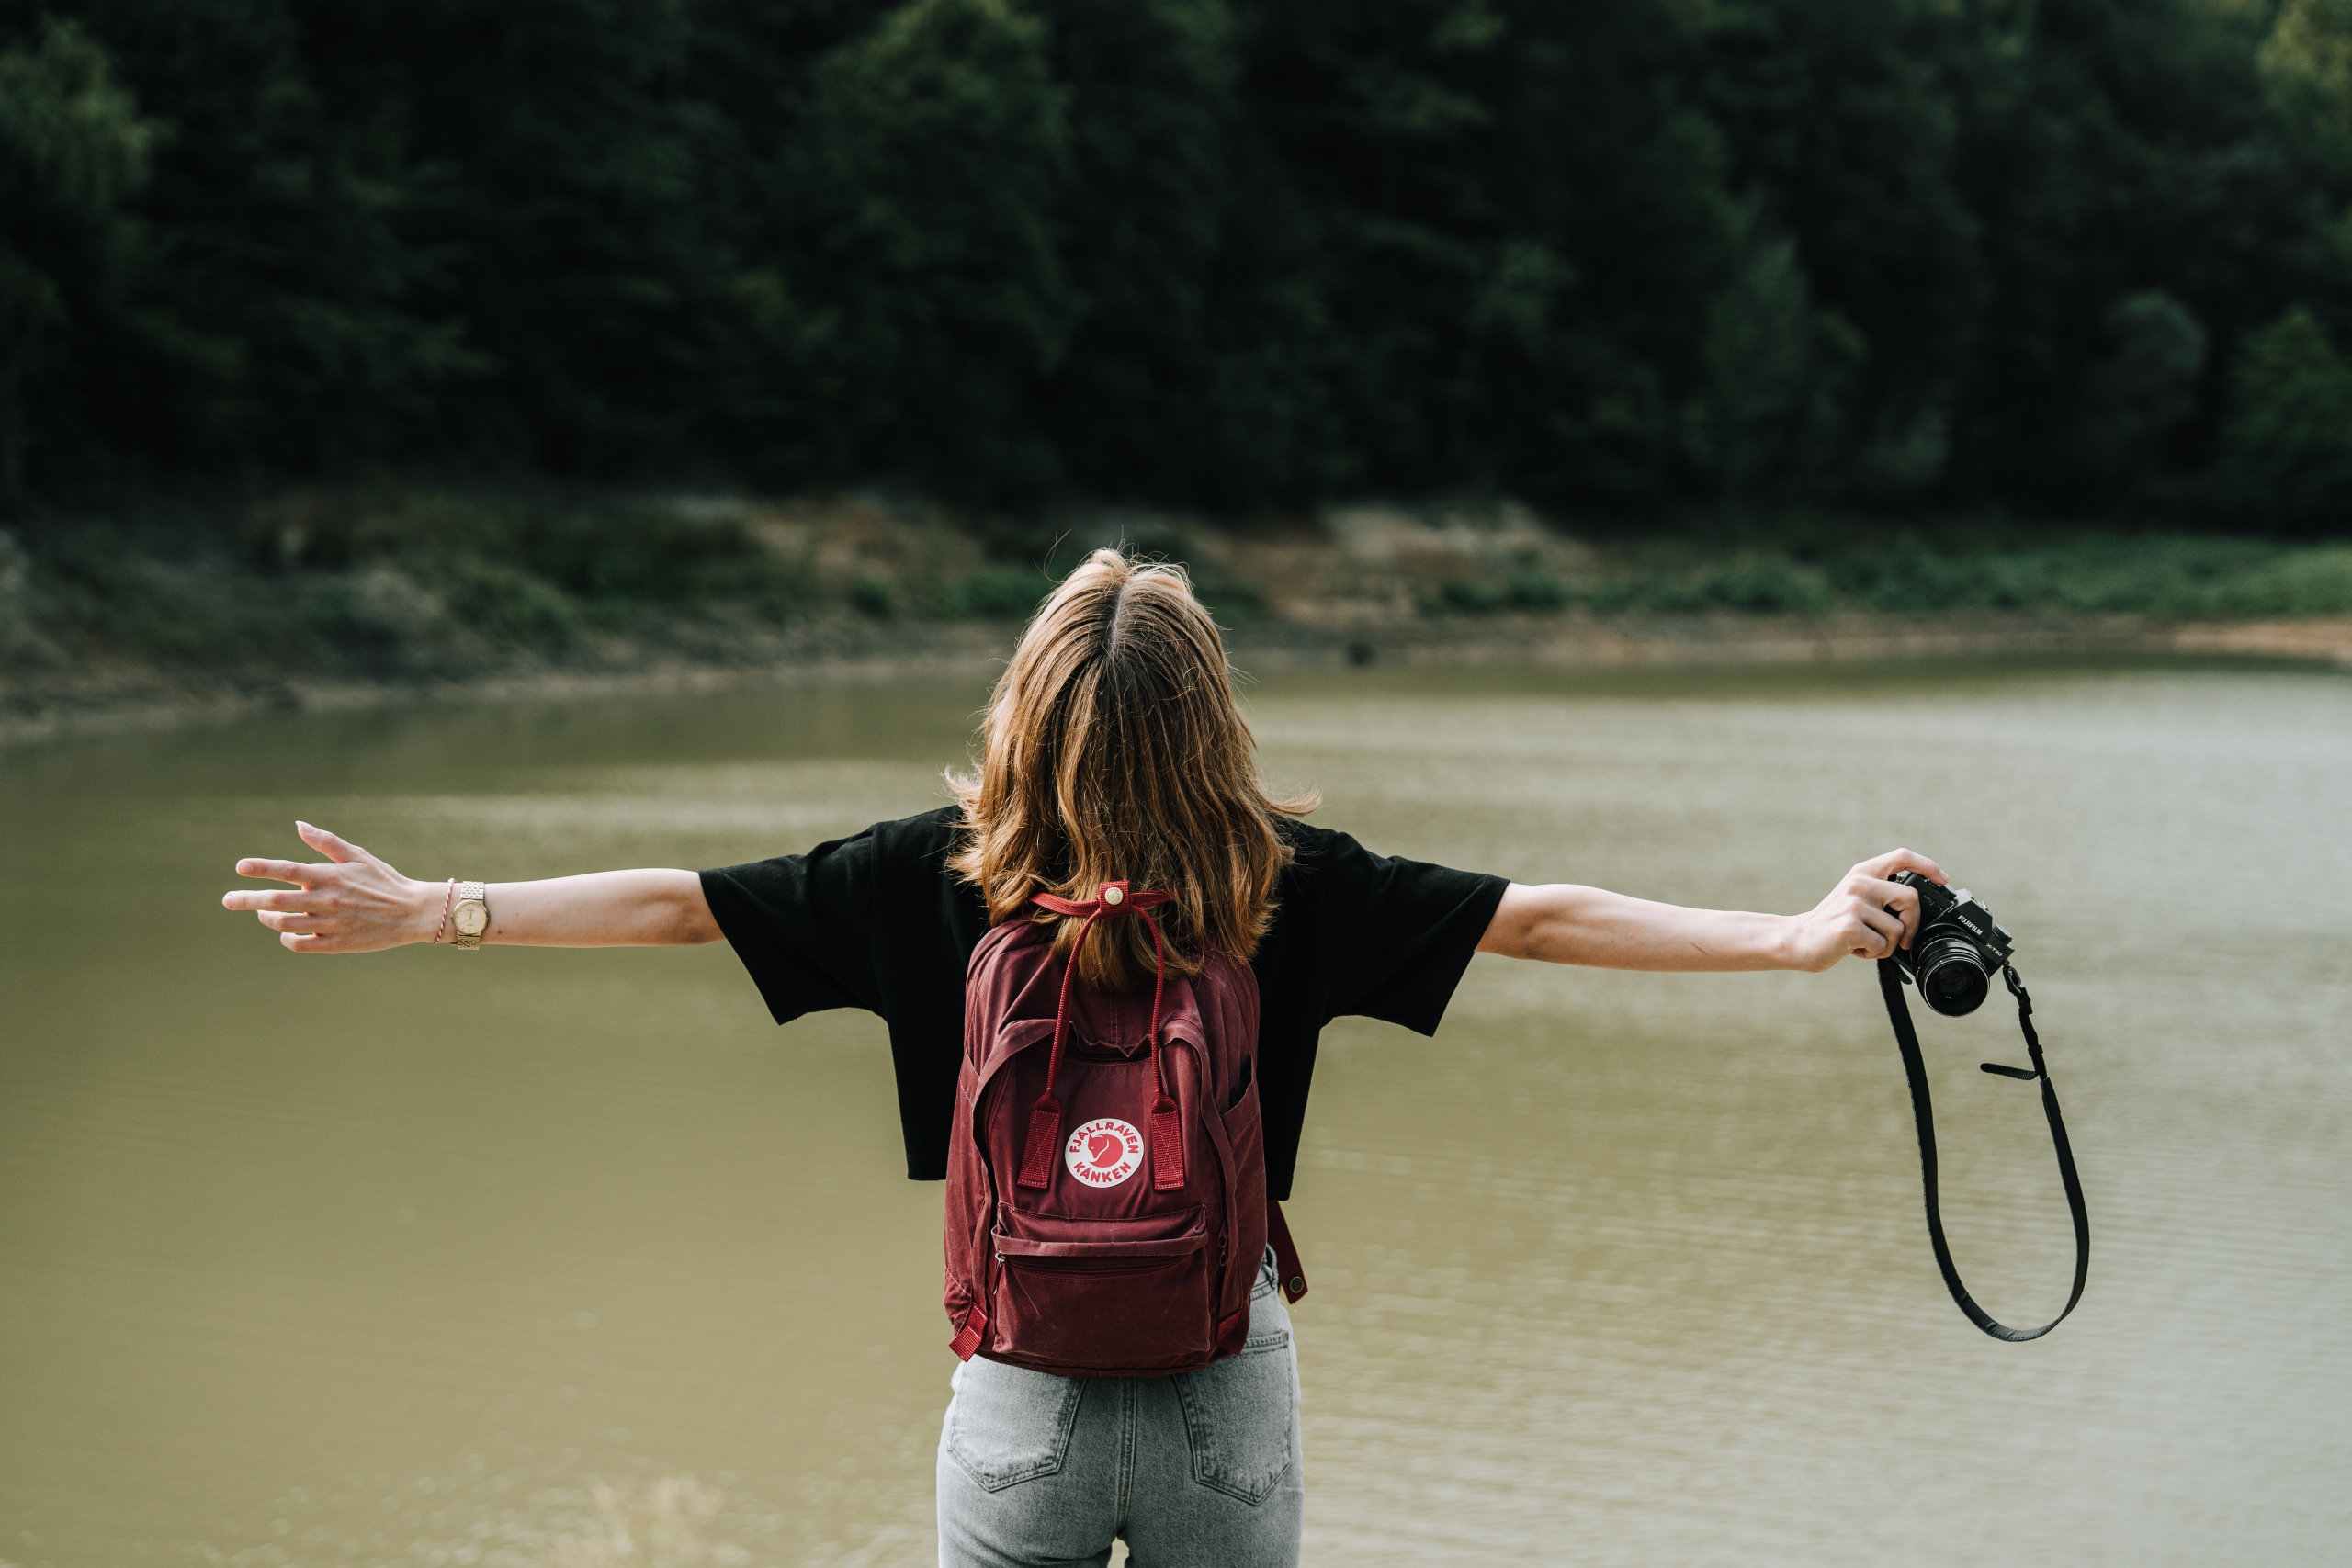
x,y
355,903
1865,915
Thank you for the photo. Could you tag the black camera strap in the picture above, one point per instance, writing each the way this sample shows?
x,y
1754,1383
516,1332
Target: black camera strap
x,y
1890,983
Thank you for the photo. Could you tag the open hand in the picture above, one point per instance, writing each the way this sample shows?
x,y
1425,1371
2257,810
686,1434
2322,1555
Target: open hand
x,y
353,903
1865,915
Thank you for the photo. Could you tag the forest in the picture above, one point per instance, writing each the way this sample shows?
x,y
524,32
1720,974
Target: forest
x,y
1628,259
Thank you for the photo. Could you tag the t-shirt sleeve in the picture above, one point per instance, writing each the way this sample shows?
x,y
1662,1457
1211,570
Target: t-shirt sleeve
x,y
1398,934
878,920
801,925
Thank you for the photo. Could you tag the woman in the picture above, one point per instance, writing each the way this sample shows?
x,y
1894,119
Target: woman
x,y
1114,749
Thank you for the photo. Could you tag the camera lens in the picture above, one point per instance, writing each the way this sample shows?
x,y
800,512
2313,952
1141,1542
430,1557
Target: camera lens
x,y
1951,977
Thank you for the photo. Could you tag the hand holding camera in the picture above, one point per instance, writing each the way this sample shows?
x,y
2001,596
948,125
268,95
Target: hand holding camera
x,y
1871,913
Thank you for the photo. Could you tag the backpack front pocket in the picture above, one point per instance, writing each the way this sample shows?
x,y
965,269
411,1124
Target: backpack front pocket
x,y
1081,1295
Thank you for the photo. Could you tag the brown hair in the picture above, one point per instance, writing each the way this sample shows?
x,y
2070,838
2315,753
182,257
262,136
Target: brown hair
x,y
1113,748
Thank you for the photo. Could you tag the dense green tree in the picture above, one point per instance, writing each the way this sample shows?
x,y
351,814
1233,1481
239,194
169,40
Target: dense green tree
x,y
1777,409
72,149
935,154
1637,257
2306,62
1486,235
2140,393
272,322
1843,118
552,202
2112,149
2289,443
1150,110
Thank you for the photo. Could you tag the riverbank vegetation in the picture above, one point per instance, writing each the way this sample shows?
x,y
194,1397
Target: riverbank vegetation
x,y
2086,259
406,585
1940,569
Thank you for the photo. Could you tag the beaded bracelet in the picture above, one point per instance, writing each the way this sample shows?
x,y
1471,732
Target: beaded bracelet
x,y
448,900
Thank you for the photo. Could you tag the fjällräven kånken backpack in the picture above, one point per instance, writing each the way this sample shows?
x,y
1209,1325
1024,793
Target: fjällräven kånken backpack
x,y
1106,1181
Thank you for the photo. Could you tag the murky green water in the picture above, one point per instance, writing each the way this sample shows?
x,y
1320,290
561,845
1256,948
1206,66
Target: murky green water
x,y
391,1259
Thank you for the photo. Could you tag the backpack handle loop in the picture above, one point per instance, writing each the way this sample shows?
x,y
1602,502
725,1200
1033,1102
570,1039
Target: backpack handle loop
x,y
1113,898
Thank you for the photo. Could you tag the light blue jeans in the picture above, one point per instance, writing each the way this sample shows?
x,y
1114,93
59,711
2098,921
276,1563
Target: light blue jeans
x,y
1200,1470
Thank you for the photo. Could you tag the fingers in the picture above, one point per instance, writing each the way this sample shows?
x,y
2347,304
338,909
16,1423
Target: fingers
x,y
303,871
299,941
1887,864
327,844
1903,902
1876,932
353,903
258,898
1857,920
325,941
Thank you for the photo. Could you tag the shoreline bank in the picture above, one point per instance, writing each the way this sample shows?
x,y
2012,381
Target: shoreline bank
x,y
126,696
331,601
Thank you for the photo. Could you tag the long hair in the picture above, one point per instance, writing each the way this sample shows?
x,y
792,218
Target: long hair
x,y
1113,748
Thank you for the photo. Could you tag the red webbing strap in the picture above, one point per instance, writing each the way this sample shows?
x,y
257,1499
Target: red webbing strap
x,y
1291,1278
1045,1121
975,1330
1166,1147
1167,1128
974,1333
1045,1132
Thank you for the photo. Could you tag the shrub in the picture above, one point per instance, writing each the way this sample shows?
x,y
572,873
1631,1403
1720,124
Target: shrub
x,y
1460,596
1535,590
507,604
1763,583
2288,447
1229,598
872,596
992,594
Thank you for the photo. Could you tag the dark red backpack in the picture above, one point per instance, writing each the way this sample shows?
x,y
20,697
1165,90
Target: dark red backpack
x,y
1106,1175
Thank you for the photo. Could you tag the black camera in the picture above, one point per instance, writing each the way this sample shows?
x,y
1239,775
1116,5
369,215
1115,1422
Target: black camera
x,y
1958,949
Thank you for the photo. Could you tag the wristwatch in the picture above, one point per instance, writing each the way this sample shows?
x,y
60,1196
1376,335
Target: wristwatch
x,y
470,918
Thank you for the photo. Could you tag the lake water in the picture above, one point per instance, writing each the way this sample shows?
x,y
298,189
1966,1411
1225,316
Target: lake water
x,y
396,1260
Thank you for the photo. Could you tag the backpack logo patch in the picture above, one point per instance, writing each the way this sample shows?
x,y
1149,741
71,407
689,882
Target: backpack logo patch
x,y
1104,1153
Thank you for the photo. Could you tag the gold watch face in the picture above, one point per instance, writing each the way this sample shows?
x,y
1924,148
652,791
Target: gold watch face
x,y
471,919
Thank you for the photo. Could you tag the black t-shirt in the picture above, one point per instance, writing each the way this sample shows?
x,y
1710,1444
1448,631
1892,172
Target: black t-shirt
x,y
877,921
